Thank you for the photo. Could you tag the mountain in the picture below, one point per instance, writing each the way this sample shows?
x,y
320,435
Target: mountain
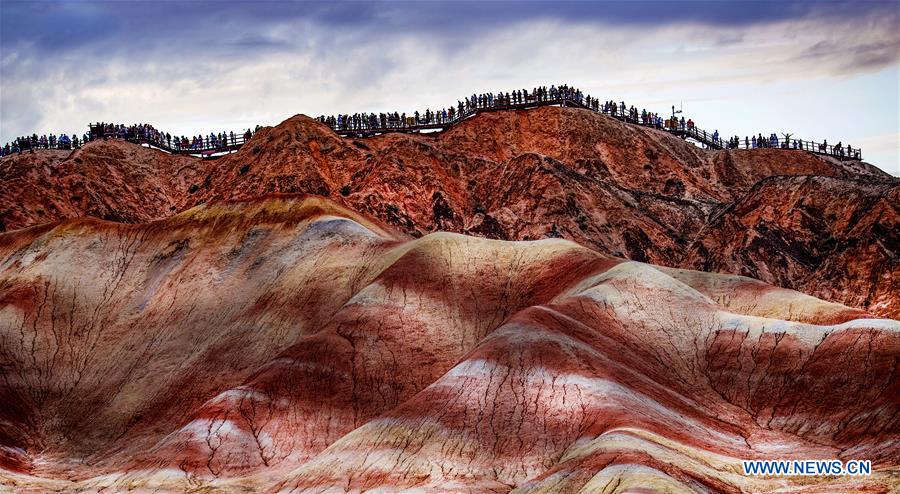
x,y
617,188
290,344
111,180
835,237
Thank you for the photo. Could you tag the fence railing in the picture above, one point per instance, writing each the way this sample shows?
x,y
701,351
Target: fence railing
x,y
763,142
371,125
368,125
176,145
840,152
66,146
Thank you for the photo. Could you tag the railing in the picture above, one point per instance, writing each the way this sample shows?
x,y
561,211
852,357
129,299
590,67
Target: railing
x,y
207,147
202,147
66,146
361,125
368,126
772,142
372,125
841,152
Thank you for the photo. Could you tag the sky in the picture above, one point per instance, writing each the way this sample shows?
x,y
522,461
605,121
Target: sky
x,y
819,69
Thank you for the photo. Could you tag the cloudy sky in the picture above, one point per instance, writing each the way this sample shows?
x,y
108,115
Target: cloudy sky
x,y
820,69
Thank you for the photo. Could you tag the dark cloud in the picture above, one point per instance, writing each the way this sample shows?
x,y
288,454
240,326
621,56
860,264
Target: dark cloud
x,y
729,39
53,28
849,57
259,42
34,35
56,27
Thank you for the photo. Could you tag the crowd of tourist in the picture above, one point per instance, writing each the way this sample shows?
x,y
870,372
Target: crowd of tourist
x,y
374,123
838,150
759,141
786,142
146,133
449,115
46,141
138,133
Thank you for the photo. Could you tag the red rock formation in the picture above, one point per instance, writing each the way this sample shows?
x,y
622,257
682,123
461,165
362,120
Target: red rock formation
x,y
830,237
549,172
112,180
291,345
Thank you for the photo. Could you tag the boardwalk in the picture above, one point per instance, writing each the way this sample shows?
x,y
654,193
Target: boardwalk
x,y
367,125
671,126
210,148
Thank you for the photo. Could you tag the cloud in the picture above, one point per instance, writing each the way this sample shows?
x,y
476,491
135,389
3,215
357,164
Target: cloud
x,y
859,52
882,149
186,65
260,42
53,29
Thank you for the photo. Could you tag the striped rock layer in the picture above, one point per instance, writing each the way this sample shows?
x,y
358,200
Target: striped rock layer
x,y
287,344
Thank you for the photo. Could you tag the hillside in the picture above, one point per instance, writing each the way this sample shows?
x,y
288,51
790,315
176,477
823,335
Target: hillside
x,y
837,238
289,344
110,180
620,189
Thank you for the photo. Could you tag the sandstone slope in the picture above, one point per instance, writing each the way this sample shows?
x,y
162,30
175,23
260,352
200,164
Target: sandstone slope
x,y
291,345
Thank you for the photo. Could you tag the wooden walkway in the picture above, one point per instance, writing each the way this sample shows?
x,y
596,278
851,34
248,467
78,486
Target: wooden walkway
x,y
365,131
217,148
212,149
707,139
